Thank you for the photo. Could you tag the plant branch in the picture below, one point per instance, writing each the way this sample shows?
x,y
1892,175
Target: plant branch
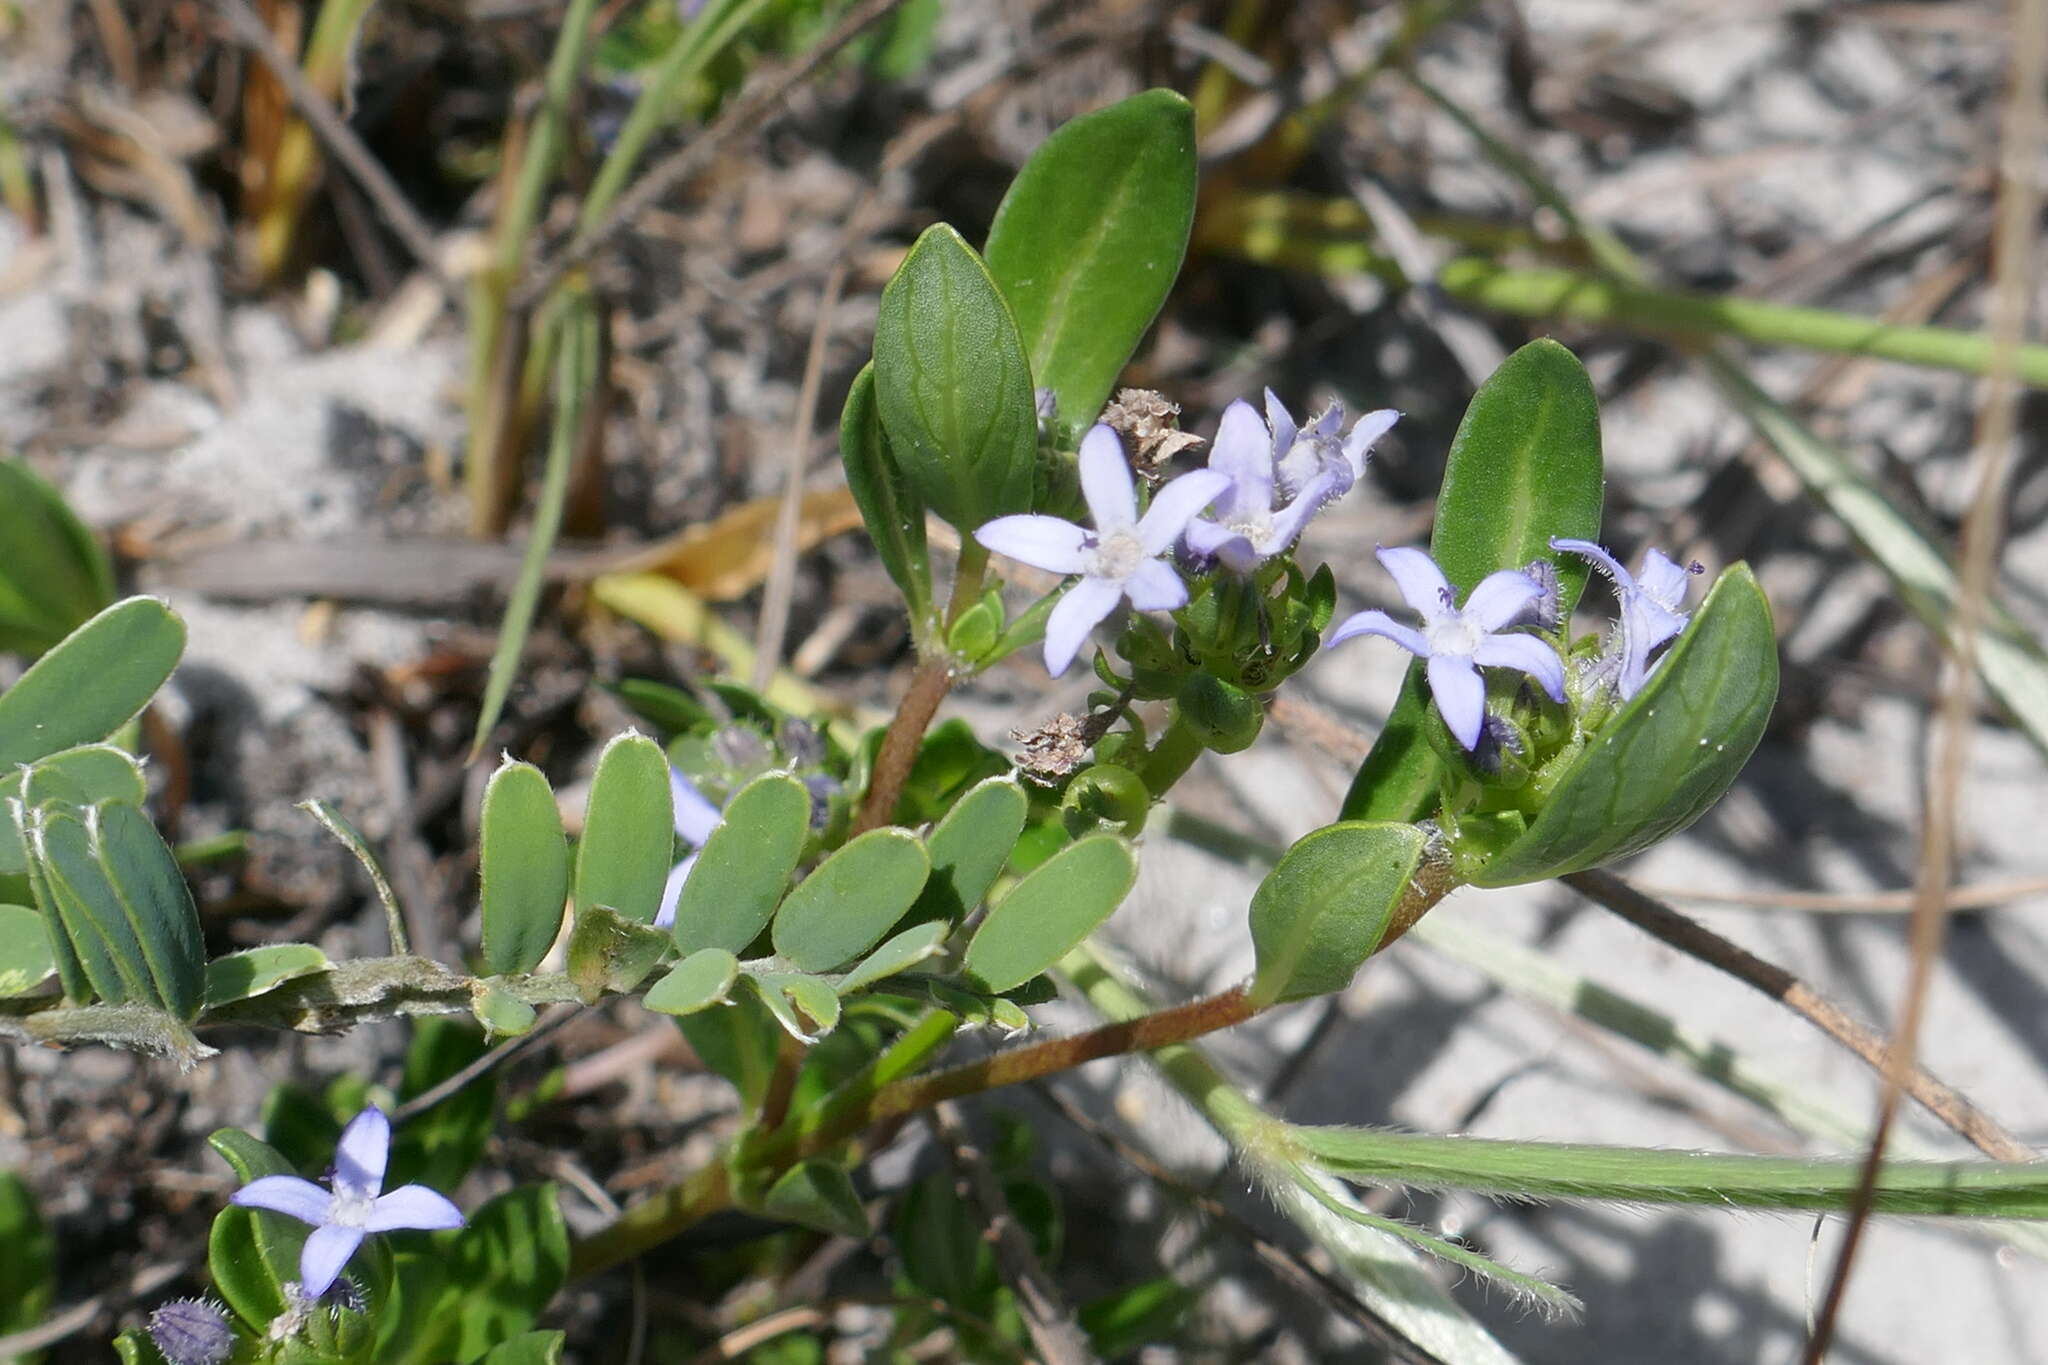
x,y
928,687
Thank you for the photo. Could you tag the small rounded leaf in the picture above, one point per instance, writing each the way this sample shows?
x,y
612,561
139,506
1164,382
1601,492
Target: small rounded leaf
x,y
251,972
91,684
1050,911
743,870
26,959
851,900
1328,906
699,981
970,845
524,865
628,840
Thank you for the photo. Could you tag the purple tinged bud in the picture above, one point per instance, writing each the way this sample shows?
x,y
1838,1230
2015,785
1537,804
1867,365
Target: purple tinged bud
x,y
822,788
192,1332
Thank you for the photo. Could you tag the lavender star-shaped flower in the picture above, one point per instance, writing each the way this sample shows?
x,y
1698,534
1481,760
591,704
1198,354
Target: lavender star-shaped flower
x,y
1119,558
1247,528
354,1207
1301,454
1651,609
695,818
1458,642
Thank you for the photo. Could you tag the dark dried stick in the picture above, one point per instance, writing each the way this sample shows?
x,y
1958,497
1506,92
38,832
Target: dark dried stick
x,y
1694,939
490,1061
342,143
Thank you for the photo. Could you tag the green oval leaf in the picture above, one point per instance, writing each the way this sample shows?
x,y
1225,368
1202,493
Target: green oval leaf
x,y
54,575
77,777
253,1253
952,384
528,1348
629,840
698,982
1670,753
744,868
1045,915
851,900
502,1014
153,894
970,845
1327,905
93,683
71,884
817,1194
243,975
888,504
901,953
806,1006
1524,466
524,866
26,958
1089,239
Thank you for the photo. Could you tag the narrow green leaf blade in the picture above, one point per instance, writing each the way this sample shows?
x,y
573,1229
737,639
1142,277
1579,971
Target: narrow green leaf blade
x,y
26,958
28,1263
251,972
744,868
952,384
1524,466
1667,755
54,575
77,777
93,683
970,845
524,867
1052,909
888,504
629,838
71,884
1638,1175
698,982
1328,906
817,1194
851,900
1089,239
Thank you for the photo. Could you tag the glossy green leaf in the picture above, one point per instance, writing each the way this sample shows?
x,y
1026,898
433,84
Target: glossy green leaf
x,y
888,504
1524,466
1089,239
54,575
28,1270
1327,907
667,708
77,777
251,972
524,866
1053,908
806,1006
845,906
817,1194
969,847
609,953
1636,1175
123,904
952,385
628,842
743,870
93,683
1667,755
26,958
528,1348
253,1253
904,951
699,981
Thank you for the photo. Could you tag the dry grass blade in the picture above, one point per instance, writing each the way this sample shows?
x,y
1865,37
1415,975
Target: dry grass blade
x,y
2021,141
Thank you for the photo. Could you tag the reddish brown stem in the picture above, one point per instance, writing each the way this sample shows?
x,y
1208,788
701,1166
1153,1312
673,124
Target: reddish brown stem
x,y
928,688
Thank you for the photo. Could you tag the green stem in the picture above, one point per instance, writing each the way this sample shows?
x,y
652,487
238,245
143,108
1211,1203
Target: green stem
x,y
521,210
967,581
1170,758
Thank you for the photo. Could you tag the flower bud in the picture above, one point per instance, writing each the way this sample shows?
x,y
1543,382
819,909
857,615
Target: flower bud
x,y
1224,716
192,1332
1105,794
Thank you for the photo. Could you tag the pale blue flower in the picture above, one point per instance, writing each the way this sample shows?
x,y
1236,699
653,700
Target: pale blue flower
x,y
1302,454
695,818
1651,601
1457,642
353,1206
1119,558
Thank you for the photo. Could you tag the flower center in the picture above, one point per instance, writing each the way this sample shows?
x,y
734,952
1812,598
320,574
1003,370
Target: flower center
x,y
1452,634
1118,555
350,1210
